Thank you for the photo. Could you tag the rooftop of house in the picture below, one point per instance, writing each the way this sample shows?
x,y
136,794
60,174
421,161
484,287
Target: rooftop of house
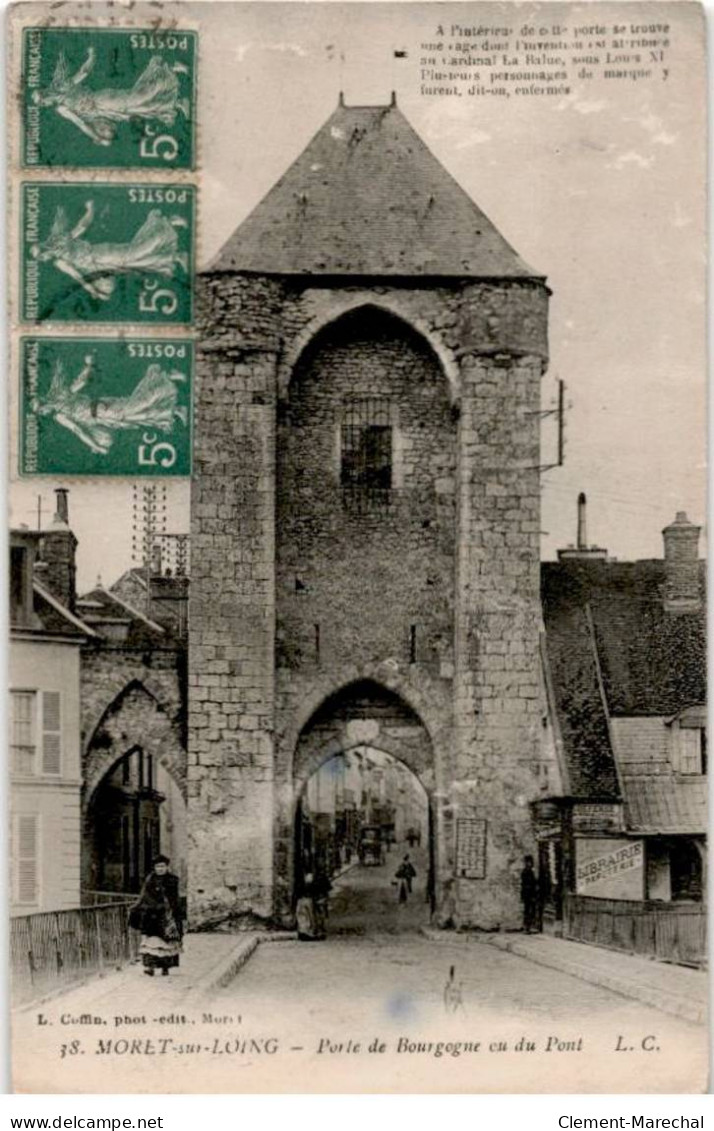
x,y
619,651
368,197
121,623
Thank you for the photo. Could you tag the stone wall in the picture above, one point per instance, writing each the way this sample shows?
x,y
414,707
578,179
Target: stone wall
x,y
497,689
231,611
391,553
129,698
274,360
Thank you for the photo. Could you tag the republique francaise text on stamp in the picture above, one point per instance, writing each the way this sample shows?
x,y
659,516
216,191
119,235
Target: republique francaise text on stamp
x,y
103,406
112,98
107,253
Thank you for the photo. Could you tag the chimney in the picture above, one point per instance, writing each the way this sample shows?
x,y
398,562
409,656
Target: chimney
x,y
582,524
681,565
581,551
62,509
58,552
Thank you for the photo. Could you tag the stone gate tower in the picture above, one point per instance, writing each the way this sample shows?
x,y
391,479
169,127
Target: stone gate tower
x,y
365,519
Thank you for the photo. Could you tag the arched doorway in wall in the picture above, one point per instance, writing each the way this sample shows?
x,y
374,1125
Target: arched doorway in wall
x,y
134,802
136,812
363,820
362,791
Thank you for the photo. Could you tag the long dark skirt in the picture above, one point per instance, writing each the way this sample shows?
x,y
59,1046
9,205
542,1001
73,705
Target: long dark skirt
x,y
158,954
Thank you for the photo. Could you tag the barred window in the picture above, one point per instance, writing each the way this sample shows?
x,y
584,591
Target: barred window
x,y
367,448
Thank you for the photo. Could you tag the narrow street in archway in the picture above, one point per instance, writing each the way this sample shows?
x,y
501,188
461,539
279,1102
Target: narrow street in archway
x,y
362,823
365,898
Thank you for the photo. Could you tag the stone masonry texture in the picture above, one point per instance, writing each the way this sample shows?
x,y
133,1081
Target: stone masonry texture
x,y
315,623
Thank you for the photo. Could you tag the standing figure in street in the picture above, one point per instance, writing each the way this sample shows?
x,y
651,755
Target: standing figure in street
x,y
321,889
529,895
312,905
157,914
405,874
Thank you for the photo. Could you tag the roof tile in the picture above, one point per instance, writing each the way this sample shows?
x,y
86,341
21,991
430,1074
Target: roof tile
x,y
367,197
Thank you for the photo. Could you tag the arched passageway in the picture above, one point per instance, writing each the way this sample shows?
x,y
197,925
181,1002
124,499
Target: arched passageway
x,y
136,812
134,801
360,796
363,821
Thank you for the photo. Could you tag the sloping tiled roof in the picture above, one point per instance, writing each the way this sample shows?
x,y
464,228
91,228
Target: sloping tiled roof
x,y
652,664
367,197
574,678
55,618
141,632
666,807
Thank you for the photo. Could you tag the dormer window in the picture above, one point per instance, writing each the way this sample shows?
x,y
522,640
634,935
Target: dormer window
x,y
689,742
366,449
22,561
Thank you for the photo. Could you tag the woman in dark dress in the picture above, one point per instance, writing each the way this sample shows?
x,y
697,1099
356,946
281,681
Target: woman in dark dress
x,y
157,914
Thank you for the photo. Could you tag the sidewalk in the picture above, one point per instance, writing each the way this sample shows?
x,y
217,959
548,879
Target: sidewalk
x,y
209,961
673,989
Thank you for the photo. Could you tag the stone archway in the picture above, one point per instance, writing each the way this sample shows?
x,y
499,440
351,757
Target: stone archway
x,y
367,303
361,714
362,818
134,765
135,717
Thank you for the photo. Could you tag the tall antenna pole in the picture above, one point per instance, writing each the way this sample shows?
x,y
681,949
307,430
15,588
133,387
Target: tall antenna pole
x,y
39,514
148,525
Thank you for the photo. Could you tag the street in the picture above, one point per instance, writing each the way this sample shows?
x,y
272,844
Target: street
x,y
302,1016
394,986
365,897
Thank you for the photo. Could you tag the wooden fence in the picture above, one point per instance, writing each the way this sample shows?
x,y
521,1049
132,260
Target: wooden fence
x,y
672,932
55,948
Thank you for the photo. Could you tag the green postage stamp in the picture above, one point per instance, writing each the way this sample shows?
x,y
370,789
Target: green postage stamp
x,y
100,406
107,253
110,98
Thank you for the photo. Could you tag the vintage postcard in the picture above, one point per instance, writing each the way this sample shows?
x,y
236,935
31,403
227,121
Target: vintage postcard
x,y
357,634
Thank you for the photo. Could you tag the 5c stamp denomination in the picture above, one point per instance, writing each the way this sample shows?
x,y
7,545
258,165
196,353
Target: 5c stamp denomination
x,y
111,98
107,253
100,406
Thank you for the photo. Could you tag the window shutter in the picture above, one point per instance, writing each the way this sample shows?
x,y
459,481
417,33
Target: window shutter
x,y
51,747
690,757
26,858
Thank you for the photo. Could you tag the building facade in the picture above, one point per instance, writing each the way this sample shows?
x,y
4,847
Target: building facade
x,y
46,641
365,520
98,720
625,671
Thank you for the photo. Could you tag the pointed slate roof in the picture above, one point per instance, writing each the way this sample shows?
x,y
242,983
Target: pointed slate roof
x,y
367,197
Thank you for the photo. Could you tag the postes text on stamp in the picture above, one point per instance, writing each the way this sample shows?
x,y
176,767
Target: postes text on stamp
x,y
110,98
100,406
107,253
